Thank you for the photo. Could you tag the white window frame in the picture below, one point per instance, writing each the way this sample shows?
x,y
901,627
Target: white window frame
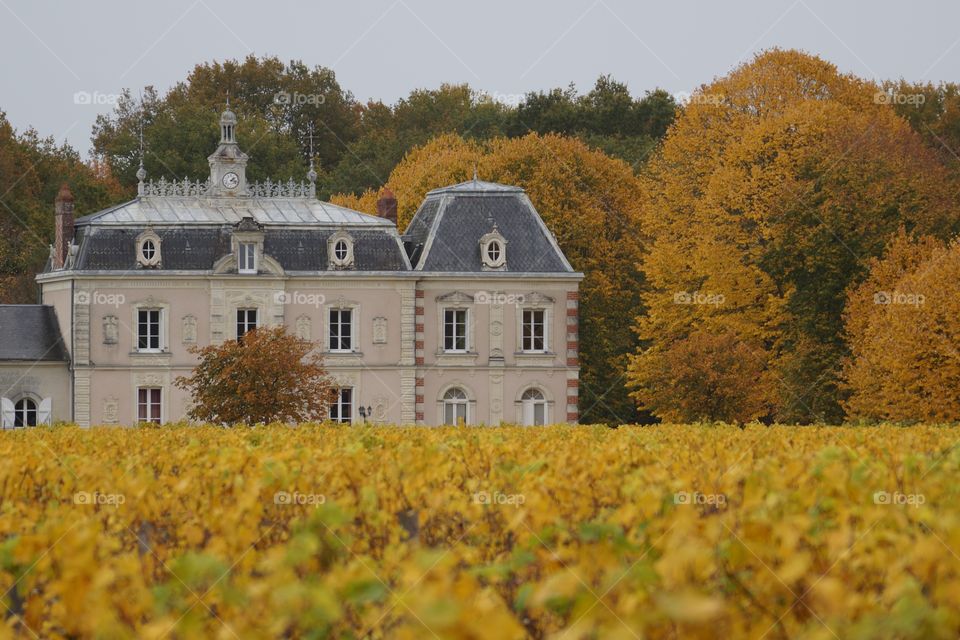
x,y
352,325
339,405
340,262
546,330
455,404
246,320
244,248
148,236
531,405
150,403
466,329
161,343
17,410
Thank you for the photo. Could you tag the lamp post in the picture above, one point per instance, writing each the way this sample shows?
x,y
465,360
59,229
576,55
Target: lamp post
x,y
366,412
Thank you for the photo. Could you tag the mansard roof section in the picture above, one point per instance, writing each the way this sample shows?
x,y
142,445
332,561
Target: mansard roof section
x,y
31,333
203,210
198,248
445,233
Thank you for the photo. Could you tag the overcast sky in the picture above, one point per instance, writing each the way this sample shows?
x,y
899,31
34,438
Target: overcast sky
x,y
385,48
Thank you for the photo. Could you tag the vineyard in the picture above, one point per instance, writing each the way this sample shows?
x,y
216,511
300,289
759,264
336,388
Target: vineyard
x,y
579,532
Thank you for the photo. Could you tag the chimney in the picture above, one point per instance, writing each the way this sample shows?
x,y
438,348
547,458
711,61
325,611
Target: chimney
x,y
387,205
64,226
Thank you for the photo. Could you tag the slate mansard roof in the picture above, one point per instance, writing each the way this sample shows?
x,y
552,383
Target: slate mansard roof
x,y
445,233
30,332
197,248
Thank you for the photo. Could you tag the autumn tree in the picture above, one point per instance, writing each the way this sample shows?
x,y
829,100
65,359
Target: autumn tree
x,y
590,202
773,190
268,376
903,324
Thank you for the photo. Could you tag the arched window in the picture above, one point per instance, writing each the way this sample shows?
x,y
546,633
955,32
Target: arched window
x,y
25,413
493,251
455,406
534,407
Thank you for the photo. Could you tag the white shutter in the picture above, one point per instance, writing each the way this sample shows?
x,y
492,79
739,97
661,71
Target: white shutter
x,y
43,412
6,404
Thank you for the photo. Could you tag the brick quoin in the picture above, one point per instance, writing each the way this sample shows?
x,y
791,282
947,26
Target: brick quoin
x,y
419,328
572,362
572,417
419,293
418,344
572,344
419,416
573,295
418,311
419,399
571,313
573,384
419,360
419,382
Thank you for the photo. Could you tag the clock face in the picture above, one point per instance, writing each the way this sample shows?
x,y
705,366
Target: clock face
x,y
230,180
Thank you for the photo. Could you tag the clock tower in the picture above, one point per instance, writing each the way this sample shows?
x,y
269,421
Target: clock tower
x,y
228,164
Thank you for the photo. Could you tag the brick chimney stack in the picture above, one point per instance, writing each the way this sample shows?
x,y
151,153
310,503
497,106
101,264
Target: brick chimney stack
x,y
387,205
64,226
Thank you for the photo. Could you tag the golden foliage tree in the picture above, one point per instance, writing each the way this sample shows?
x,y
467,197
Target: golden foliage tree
x,y
590,202
903,325
268,376
770,194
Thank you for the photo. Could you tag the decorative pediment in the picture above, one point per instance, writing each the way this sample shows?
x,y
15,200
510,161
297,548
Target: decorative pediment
x,y
247,224
148,249
535,298
340,250
455,297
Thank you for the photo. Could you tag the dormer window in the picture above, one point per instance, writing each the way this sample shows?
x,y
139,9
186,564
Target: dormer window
x,y
148,249
493,251
247,258
340,250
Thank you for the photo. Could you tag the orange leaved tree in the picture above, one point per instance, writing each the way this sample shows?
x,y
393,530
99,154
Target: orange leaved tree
x,y
268,376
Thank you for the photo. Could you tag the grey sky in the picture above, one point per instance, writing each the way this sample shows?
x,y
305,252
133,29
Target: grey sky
x,y
385,48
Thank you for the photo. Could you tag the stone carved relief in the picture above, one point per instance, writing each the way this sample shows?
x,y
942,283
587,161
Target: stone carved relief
x,y
380,408
189,330
496,328
379,330
111,330
304,327
111,410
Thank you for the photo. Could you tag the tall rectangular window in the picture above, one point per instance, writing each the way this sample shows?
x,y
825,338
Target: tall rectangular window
x,y
534,330
342,408
248,257
246,321
148,404
341,329
148,330
454,329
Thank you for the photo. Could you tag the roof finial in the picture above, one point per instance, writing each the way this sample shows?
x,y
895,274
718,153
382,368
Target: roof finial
x,y
141,172
312,173
228,98
475,172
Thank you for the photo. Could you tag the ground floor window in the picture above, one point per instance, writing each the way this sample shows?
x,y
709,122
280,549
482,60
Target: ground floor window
x,y
25,413
342,408
246,321
148,405
534,407
455,406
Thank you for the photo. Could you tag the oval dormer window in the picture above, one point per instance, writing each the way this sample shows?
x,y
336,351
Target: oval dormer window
x,y
493,252
148,249
340,250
